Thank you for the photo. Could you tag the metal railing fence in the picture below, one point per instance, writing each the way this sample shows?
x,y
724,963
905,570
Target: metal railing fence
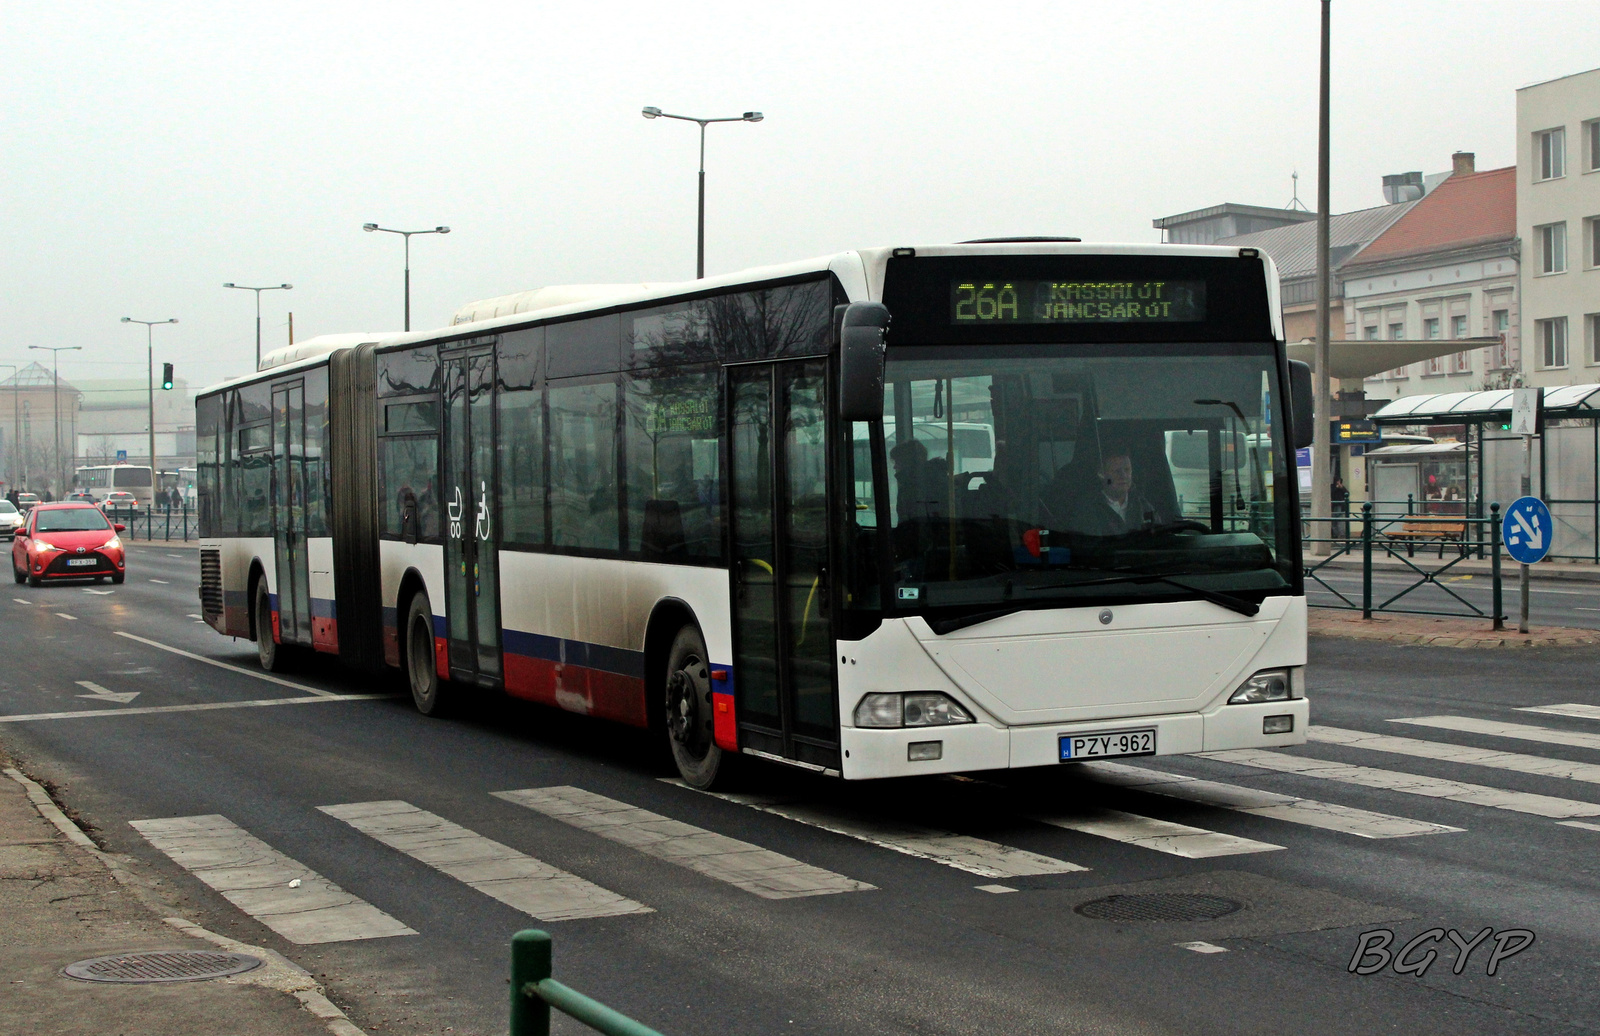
x,y
166,523
534,993
1368,532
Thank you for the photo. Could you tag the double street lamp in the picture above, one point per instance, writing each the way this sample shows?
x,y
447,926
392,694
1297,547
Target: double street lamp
x,y
55,407
700,232
258,291
150,369
370,227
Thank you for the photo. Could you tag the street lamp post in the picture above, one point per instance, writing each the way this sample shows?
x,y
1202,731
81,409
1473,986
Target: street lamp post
x,y
370,227
700,224
55,406
150,372
11,454
258,291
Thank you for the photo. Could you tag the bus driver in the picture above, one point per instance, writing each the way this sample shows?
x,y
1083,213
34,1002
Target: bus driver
x,y
1118,507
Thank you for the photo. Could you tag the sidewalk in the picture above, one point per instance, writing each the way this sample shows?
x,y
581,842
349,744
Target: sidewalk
x,y
64,900
1440,632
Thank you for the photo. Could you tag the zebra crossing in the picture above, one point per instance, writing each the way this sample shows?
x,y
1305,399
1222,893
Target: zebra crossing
x,y
306,907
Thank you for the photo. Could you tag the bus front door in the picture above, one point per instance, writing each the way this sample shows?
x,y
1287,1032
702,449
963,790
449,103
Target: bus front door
x,y
782,643
289,512
471,564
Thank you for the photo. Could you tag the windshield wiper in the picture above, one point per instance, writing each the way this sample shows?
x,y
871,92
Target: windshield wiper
x,y
943,626
1228,601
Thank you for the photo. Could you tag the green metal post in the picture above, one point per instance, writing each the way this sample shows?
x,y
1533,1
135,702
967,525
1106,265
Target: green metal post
x,y
530,963
1366,560
1494,565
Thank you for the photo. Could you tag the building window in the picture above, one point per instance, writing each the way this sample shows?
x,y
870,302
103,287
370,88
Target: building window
x,y
1591,138
1552,338
1552,238
1370,333
1500,352
1461,363
1397,332
1551,158
1593,225
1458,326
1591,334
1430,328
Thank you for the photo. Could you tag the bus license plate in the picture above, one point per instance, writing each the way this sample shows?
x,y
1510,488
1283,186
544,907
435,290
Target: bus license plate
x,y
1100,746
79,562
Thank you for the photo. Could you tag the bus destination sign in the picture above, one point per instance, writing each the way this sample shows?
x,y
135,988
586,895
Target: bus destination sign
x,y
977,302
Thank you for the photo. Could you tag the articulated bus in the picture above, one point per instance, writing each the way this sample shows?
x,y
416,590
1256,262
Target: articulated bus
x,y
100,479
890,512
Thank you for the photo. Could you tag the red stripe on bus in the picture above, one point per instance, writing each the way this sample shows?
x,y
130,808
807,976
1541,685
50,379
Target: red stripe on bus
x,y
590,692
724,725
325,635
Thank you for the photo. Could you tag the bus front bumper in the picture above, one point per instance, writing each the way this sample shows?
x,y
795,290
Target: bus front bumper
x,y
908,751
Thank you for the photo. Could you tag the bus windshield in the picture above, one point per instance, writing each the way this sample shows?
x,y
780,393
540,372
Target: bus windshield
x,y
1030,479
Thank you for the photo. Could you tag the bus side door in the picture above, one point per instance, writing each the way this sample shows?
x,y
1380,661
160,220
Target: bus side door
x,y
782,641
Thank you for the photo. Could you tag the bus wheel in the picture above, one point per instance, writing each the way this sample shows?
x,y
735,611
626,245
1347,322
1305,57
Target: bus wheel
x,y
688,710
422,671
267,649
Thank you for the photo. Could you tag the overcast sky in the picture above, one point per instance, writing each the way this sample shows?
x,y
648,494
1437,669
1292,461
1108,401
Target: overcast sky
x,y
150,152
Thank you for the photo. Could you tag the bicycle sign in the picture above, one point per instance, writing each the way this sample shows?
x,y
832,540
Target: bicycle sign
x,y
1527,530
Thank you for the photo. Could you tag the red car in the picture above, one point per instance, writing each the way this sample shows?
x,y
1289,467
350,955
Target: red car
x,y
67,541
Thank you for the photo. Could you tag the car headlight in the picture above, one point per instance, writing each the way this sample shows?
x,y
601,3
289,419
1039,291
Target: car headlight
x,y
39,544
114,543
1267,685
918,709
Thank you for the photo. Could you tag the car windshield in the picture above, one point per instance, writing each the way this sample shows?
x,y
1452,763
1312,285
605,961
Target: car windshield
x,y
1029,479
7,507
71,519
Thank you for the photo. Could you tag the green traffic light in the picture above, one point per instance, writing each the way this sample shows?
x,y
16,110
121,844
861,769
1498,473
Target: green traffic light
x,y
166,375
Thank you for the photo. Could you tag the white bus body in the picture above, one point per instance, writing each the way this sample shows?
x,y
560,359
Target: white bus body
x,y
555,516
100,479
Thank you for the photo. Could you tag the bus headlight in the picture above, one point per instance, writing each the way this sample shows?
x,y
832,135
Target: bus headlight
x,y
1267,685
919,709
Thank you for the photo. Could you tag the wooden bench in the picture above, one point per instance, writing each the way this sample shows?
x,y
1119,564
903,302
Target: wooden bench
x,y
1427,529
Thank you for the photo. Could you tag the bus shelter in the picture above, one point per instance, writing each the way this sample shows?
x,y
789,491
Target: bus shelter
x,y
1475,453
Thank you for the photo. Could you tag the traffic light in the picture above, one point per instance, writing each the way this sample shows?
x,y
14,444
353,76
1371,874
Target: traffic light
x,y
166,375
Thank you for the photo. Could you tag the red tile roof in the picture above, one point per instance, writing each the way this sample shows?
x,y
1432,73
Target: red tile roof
x,y
1464,210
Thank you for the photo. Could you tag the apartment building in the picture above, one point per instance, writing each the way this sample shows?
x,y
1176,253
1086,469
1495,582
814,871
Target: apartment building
x,y
1558,221
1444,272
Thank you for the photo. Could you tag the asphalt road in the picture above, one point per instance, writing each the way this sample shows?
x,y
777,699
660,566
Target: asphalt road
x,y
1422,831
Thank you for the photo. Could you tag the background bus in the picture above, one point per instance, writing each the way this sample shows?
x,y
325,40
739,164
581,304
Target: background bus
x,y
100,479
651,506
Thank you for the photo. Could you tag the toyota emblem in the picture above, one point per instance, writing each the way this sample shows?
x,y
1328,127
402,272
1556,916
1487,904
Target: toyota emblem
x,y
81,550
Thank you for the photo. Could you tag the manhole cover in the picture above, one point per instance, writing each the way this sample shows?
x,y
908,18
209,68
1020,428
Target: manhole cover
x,y
1160,906
161,966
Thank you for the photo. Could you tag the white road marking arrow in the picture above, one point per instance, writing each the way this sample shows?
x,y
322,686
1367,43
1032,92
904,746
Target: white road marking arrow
x,y
99,693
102,593
1534,534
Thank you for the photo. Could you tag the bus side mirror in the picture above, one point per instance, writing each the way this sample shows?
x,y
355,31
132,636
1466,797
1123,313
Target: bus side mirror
x,y
861,333
1302,406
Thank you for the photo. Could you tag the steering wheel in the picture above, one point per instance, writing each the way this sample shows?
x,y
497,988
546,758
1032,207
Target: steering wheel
x,y
1181,525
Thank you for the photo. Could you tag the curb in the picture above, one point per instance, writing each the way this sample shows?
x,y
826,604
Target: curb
x,y
279,973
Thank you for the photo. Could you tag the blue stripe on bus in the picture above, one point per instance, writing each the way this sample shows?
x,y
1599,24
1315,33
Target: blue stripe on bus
x,y
622,661
323,608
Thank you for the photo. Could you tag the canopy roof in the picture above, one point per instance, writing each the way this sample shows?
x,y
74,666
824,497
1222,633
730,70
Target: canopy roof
x,y
1352,360
1567,399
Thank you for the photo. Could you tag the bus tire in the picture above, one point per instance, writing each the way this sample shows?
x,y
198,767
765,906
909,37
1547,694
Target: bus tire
x,y
688,712
268,651
428,692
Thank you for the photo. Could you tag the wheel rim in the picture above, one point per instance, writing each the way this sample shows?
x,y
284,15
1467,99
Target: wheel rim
x,y
688,705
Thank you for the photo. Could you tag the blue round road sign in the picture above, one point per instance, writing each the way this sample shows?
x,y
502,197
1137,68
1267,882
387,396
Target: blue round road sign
x,y
1527,530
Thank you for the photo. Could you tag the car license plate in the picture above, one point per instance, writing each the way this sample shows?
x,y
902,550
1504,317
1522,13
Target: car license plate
x,y
1115,742
80,562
